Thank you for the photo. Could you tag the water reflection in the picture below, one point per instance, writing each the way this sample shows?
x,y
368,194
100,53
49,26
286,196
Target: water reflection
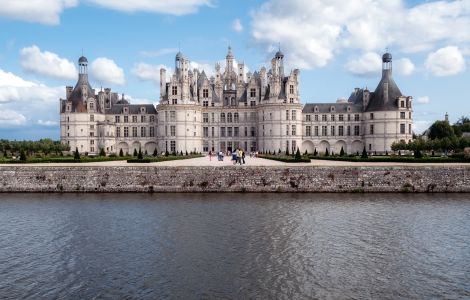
x,y
279,246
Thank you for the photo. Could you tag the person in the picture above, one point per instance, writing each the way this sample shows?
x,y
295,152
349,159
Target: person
x,y
243,156
234,157
210,155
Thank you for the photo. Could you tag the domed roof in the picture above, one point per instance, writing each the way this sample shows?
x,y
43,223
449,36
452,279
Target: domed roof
x,y
279,54
387,57
82,60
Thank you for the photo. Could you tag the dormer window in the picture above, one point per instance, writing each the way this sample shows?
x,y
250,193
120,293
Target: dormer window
x,y
316,109
332,108
349,108
142,110
205,93
174,90
126,110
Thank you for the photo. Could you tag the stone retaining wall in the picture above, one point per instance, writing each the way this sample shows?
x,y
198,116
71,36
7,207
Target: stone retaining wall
x,y
234,179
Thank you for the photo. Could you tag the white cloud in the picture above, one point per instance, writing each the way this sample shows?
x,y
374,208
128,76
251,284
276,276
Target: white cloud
x,y
147,72
10,117
404,66
423,100
47,123
45,12
419,126
46,63
177,8
159,52
237,25
105,70
312,32
369,64
445,61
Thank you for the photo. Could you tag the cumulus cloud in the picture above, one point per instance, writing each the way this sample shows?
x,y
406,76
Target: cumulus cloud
x,y
312,32
10,117
423,100
47,123
46,63
369,65
159,52
177,8
404,66
105,70
445,61
45,12
237,25
148,72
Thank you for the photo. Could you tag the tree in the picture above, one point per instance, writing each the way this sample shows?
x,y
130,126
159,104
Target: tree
x,y
102,152
418,154
76,155
364,153
186,152
22,155
167,153
297,155
146,153
287,151
139,155
155,152
306,152
341,153
440,130
121,153
327,153
135,152
181,153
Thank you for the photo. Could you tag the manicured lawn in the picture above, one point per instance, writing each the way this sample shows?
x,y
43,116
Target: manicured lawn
x,y
285,158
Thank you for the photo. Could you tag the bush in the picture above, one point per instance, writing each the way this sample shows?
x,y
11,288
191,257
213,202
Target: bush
x,y
327,153
139,155
288,159
364,153
341,153
155,152
76,155
135,152
102,152
22,156
297,155
121,153
315,153
418,154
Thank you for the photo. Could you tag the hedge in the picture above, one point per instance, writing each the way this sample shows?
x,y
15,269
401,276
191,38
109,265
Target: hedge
x,y
404,159
287,159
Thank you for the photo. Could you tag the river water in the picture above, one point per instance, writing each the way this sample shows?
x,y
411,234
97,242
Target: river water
x,y
234,246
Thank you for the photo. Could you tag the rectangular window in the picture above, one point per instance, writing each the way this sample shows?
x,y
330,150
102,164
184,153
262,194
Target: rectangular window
x,y
287,115
172,116
213,131
134,131
252,103
205,103
246,131
349,117
172,130
356,130
118,131
356,117
402,115
294,115
117,119
341,130
212,117
252,92
402,128
174,90
142,119
222,117
205,131
308,130
308,118
316,118
252,116
349,130
143,131
287,130
323,118
222,131
236,117
253,132
173,146
152,131
316,131
126,131
134,119
324,131
152,119
205,118
92,118
205,93
371,129
294,130
341,118
291,89
402,104
333,133
92,134
332,118
235,131
229,118
229,131
371,116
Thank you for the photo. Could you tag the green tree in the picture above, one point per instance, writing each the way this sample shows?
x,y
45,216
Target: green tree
x,y
76,155
341,153
102,152
418,154
298,156
364,153
139,155
440,130
22,155
155,152
121,153
135,152
315,152
287,151
327,153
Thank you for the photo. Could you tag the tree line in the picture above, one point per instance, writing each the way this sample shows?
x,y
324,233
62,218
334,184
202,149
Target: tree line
x,y
44,146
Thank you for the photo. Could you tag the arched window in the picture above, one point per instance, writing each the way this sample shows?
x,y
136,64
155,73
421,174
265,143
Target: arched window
x,y
236,117
222,117
226,101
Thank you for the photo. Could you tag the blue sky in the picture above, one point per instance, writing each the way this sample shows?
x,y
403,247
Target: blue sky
x,y
337,47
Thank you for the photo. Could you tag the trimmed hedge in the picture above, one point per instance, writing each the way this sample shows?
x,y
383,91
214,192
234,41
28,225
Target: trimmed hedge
x,y
404,159
287,159
162,158
62,159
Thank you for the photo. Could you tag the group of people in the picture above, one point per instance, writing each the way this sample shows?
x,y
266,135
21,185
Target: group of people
x,y
237,156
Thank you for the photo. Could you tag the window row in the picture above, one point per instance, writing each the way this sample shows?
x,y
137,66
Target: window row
x,y
332,130
125,119
332,117
124,131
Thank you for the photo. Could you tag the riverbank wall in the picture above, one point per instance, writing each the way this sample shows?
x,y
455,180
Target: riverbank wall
x,y
234,179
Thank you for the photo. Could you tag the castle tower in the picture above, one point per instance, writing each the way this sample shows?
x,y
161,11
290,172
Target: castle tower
x,y
229,59
280,62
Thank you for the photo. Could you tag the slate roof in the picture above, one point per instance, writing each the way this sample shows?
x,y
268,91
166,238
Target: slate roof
x,y
134,109
381,99
326,108
77,97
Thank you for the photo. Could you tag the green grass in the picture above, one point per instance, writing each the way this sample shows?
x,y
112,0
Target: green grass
x,y
284,158
87,159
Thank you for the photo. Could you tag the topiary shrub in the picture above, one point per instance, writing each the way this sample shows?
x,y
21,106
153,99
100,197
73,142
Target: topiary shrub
x,y
315,152
139,155
155,152
327,153
341,153
76,155
135,152
121,153
102,152
297,155
22,156
364,153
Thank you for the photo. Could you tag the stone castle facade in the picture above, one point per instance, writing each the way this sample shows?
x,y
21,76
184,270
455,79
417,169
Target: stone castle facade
x,y
259,111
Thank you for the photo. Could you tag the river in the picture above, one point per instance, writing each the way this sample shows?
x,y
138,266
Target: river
x,y
234,246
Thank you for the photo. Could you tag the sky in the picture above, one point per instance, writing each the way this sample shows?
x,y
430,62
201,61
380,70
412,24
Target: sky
x,y
336,44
